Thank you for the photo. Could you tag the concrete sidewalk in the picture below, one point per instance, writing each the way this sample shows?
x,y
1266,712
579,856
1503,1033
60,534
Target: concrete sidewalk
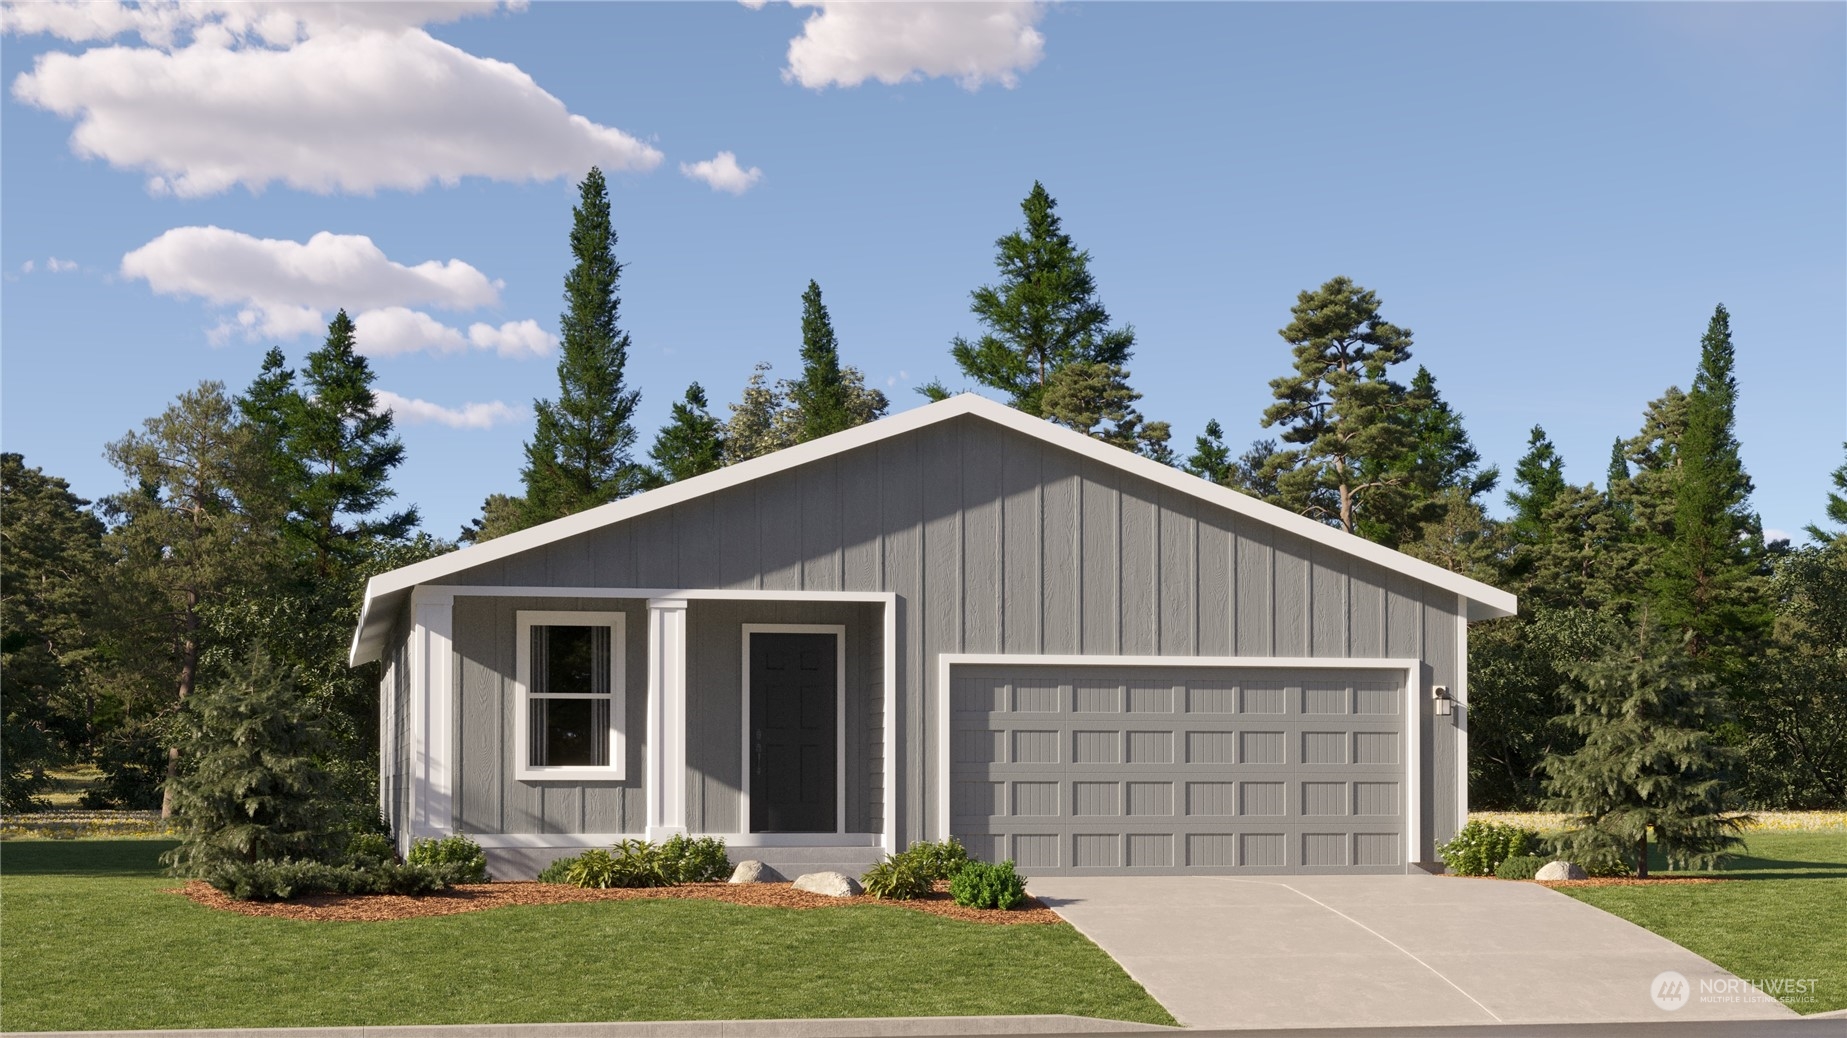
x,y
1387,951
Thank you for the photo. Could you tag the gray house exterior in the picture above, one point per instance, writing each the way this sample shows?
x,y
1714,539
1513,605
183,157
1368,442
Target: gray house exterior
x,y
959,620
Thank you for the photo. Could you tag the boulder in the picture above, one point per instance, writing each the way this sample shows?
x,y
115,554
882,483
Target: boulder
x,y
1561,870
754,871
833,884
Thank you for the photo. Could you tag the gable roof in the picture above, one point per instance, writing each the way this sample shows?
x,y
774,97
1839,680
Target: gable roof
x,y
385,592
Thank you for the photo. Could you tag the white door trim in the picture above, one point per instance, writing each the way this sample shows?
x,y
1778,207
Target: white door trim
x,y
839,631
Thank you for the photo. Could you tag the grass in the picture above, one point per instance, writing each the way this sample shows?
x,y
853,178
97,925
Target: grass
x,y
85,924
1783,916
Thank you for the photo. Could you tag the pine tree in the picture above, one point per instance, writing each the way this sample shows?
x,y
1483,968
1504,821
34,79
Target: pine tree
x,y
1837,509
256,790
1084,395
182,544
1438,473
1340,409
1616,488
344,449
765,419
820,395
501,514
50,557
580,453
1211,459
692,442
1703,581
1539,480
1648,763
1043,313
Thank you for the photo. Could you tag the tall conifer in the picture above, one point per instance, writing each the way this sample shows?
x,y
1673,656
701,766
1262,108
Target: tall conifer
x,y
820,394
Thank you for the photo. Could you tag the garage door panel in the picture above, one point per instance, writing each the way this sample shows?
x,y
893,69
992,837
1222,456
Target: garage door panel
x,y
1180,769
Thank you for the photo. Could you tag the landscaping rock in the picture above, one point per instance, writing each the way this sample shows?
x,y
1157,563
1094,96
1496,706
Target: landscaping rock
x,y
1561,870
833,884
753,871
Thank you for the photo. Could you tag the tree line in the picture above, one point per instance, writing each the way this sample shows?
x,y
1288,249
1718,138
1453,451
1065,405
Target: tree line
x,y
1659,634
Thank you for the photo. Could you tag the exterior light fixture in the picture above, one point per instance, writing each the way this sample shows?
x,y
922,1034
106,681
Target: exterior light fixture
x,y
1440,693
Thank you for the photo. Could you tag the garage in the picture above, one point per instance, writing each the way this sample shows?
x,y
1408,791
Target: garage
x,y
1184,767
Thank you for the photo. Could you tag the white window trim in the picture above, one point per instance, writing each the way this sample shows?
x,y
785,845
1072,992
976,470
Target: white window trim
x,y
839,631
526,620
1413,711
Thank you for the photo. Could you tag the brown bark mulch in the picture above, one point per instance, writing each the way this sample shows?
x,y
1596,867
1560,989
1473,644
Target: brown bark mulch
x,y
479,897
1629,881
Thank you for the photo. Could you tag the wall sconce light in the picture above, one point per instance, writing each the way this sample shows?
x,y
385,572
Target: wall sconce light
x,y
1445,704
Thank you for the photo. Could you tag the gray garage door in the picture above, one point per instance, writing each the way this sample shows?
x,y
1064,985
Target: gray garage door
x,y
1175,770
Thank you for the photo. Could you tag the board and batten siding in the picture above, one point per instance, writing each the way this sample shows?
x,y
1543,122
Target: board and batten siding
x,y
994,541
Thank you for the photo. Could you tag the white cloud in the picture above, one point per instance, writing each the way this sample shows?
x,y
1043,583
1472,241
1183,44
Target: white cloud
x,y
513,339
1773,534
284,288
320,97
722,173
58,266
468,416
393,330
845,42
28,267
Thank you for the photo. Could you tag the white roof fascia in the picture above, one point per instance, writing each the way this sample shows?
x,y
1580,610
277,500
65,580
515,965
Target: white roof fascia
x,y
1485,601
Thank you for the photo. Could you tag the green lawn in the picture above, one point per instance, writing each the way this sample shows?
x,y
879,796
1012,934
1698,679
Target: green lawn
x,y
1783,916
88,941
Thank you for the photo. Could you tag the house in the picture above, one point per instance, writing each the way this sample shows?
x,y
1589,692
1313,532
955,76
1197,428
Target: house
x,y
960,620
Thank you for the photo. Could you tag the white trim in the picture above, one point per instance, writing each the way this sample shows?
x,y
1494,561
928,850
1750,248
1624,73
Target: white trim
x,y
432,712
1460,715
733,841
890,726
1484,601
839,631
524,621
666,768
1413,718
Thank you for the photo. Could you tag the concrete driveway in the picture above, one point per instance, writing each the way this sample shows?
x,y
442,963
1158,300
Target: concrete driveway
x,y
1339,951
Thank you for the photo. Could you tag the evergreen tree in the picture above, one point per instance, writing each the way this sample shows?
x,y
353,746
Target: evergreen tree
x,y
1795,722
256,790
1702,583
181,543
1211,459
1439,472
1616,488
1837,509
1084,395
50,555
765,419
1041,315
342,446
580,453
501,514
820,394
1520,690
692,442
1340,409
1648,763
1539,480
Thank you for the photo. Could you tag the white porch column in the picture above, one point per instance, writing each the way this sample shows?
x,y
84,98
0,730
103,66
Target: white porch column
x,y
666,766
432,729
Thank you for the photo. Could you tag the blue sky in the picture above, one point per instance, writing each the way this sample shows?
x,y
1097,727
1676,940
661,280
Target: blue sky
x,y
1551,196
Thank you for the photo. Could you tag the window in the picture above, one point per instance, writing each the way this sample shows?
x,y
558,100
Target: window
x,y
568,721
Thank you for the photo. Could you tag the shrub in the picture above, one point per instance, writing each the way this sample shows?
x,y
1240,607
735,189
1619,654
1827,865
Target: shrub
x,y
1520,866
898,877
1481,846
270,880
458,856
938,860
559,870
981,885
686,860
367,849
593,868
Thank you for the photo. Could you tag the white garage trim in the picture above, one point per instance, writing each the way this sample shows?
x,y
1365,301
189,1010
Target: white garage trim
x,y
1413,726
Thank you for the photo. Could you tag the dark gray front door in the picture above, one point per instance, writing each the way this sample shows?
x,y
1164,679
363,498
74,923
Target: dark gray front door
x,y
794,732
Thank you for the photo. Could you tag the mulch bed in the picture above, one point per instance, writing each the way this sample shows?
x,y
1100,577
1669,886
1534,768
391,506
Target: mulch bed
x,y
1629,881
479,897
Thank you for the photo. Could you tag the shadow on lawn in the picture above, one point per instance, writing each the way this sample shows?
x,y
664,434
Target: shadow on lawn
x,y
83,857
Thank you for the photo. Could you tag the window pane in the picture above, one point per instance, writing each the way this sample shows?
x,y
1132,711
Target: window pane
x,y
570,659
570,733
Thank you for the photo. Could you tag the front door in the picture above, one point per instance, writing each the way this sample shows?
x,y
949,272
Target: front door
x,y
794,732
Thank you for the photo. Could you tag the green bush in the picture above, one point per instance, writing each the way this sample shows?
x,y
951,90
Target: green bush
x,y
1520,866
981,885
594,868
269,880
460,857
938,860
897,877
1481,846
559,870
367,849
686,860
